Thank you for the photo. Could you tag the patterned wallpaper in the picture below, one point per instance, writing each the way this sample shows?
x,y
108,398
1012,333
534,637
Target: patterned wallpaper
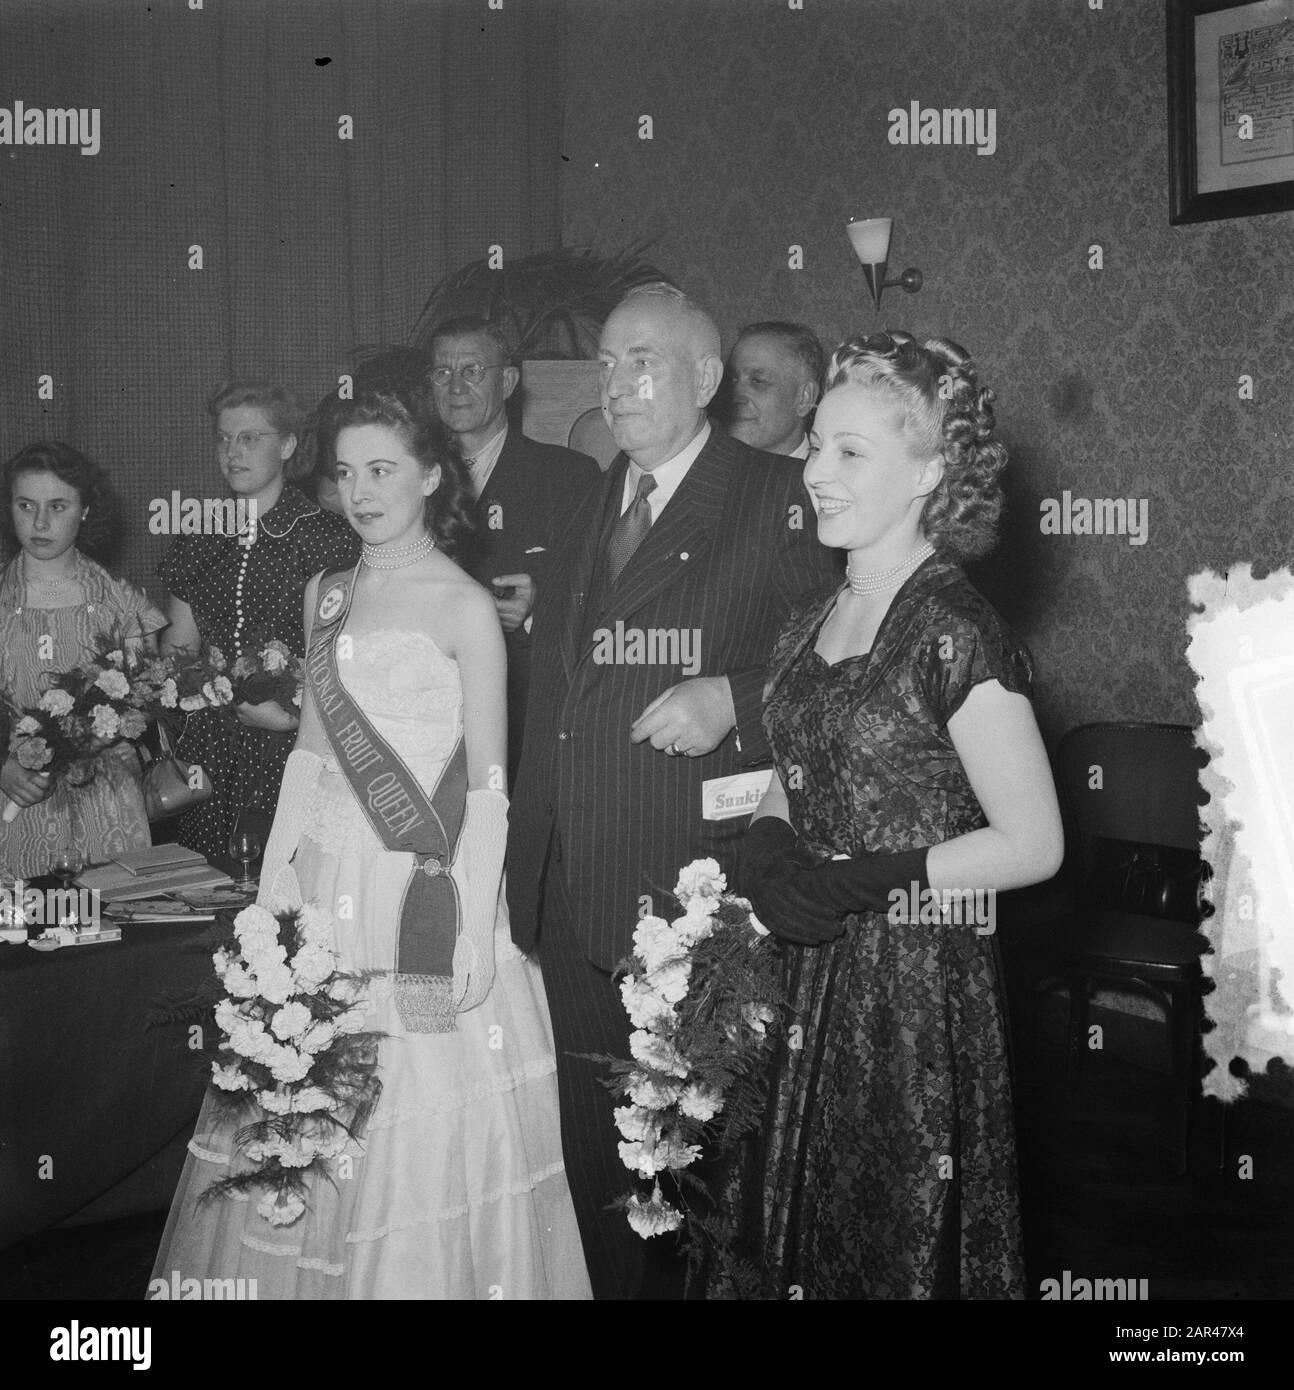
x,y
769,130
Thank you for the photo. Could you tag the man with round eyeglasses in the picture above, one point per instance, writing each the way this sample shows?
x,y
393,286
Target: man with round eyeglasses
x,y
525,491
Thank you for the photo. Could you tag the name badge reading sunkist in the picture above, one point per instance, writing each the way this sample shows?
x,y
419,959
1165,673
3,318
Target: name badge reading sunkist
x,y
725,798
331,603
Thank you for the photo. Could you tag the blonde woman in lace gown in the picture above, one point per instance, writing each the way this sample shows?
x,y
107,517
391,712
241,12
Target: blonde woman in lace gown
x,y
456,1187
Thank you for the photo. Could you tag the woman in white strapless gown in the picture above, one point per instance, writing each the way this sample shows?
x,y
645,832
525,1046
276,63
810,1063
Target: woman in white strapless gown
x,y
456,1188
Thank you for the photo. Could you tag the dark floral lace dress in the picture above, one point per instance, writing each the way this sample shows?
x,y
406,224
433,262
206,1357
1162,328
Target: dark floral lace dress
x,y
886,1168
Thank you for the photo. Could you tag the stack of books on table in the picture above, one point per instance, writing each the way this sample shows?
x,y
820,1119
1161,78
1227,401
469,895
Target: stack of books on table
x,y
151,879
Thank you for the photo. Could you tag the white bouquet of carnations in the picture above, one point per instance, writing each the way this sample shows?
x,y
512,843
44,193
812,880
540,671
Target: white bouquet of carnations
x,y
293,1039
704,995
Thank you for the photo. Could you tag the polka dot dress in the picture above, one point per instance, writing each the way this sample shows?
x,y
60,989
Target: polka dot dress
x,y
241,597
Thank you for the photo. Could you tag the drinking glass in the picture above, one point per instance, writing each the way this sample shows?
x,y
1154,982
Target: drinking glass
x,y
245,846
68,862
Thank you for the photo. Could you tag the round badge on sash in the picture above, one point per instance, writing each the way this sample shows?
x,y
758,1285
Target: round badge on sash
x,y
331,603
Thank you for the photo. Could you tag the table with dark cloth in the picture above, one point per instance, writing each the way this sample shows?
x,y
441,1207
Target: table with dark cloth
x,y
95,1106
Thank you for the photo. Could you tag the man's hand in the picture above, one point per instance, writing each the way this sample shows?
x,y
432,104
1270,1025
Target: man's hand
x,y
690,719
514,610
22,785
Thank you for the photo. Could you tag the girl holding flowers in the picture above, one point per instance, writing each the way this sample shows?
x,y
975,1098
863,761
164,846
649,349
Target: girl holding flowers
x,y
57,605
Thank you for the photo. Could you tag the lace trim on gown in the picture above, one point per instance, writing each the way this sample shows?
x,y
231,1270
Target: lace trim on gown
x,y
421,720
517,1189
459,1100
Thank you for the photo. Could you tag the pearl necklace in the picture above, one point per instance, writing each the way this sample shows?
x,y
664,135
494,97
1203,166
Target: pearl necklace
x,y
55,586
375,557
51,586
879,581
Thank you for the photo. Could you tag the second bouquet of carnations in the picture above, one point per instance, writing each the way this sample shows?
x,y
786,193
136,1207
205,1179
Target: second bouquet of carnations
x,y
703,993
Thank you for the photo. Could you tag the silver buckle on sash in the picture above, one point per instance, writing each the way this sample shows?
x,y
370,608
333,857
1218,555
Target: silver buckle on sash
x,y
432,867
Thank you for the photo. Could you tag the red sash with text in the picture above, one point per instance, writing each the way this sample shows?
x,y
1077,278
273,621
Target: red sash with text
x,y
403,817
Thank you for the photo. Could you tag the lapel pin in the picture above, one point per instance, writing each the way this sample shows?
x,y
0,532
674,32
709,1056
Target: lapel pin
x,y
682,555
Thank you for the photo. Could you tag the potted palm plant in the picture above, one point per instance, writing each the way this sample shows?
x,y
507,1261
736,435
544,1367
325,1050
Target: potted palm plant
x,y
551,306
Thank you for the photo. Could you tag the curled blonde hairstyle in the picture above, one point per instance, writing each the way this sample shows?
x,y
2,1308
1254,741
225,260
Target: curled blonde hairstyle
x,y
945,412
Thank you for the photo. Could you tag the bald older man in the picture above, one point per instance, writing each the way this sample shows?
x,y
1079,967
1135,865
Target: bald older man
x,y
649,649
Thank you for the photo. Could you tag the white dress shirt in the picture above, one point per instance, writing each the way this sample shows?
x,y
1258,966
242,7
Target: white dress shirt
x,y
668,475
483,461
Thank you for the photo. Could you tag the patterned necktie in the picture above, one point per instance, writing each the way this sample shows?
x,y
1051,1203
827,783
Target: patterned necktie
x,y
627,534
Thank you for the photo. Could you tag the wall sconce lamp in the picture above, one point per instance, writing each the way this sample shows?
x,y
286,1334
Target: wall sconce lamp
x,y
871,240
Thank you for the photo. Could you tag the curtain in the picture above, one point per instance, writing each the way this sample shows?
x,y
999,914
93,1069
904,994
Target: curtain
x,y
220,129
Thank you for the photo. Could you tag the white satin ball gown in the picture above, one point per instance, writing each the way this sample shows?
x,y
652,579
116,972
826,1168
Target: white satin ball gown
x,y
457,1188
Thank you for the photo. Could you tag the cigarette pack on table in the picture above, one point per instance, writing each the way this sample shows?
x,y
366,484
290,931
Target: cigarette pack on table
x,y
54,937
89,936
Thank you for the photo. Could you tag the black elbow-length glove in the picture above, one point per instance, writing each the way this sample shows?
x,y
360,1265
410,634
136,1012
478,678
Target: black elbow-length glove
x,y
771,856
805,901
864,883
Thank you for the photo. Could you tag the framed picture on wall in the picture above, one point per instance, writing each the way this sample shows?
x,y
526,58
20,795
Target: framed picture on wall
x,y
1230,108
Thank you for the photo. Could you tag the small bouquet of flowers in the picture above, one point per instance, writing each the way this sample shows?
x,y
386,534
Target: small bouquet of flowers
x,y
83,712
292,1035
268,670
704,996
192,681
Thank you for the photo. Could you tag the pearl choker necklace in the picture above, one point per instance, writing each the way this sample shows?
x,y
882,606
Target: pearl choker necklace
x,y
881,580
375,557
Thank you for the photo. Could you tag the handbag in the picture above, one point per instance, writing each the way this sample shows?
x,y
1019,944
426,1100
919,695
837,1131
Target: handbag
x,y
170,785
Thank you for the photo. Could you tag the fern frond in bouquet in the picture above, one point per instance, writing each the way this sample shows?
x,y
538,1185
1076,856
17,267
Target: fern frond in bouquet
x,y
704,995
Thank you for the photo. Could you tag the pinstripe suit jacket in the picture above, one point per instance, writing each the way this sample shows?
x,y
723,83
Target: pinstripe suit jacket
x,y
730,553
